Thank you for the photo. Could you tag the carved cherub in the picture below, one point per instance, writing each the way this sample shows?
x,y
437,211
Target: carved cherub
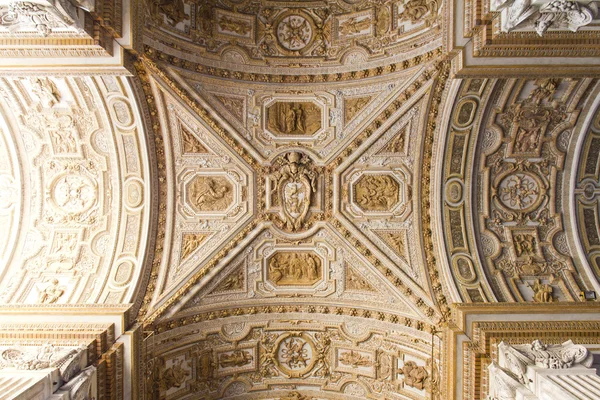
x,y
174,376
414,375
45,89
542,292
51,293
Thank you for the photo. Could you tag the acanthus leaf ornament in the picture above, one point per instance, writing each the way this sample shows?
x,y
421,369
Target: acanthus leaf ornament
x,y
563,12
556,14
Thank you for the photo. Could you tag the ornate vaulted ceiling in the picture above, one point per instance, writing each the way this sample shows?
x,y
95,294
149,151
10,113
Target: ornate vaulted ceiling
x,y
294,194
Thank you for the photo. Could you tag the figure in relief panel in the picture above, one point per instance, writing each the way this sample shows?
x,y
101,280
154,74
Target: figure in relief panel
x,y
294,269
211,193
542,292
51,293
293,118
46,91
174,376
238,358
414,375
173,10
376,192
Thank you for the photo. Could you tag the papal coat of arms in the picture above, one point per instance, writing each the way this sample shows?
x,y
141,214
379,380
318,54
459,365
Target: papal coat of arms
x,y
295,184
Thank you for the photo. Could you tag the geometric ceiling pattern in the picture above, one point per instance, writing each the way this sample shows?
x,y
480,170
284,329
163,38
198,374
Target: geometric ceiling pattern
x,y
295,196
327,226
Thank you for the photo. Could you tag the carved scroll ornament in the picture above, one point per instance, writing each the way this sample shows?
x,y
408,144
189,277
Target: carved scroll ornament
x,y
516,358
555,14
43,17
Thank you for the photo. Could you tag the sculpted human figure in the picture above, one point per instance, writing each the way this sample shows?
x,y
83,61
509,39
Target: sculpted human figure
x,y
172,9
51,293
175,375
542,292
45,89
414,375
236,359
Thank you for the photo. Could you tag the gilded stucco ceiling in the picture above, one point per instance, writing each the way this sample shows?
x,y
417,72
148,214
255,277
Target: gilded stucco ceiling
x,y
293,220
293,194
75,190
319,36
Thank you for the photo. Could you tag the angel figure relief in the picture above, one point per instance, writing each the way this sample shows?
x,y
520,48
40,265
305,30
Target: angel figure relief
x,y
295,185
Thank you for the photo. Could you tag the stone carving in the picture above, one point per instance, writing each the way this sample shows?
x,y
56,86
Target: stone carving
x,y
261,30
355,359
173,10
234,105
190,143
514,12
79,388
42,18
74,193
559,13
293,118
51,292
516,358
295,269
397,144
234,281
45,89
294,352
238,358
63,140
414,375
353,106
239,27
525,244
502,385
295,396
544,91
67,359
520,191
294,32
376,192
295,182
542,292
354,281
190,242
554,14
174,376
316,351
417,10
354,26
210,193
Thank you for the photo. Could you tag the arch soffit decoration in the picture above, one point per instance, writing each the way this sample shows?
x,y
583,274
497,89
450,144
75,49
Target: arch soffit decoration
x,y
77,190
